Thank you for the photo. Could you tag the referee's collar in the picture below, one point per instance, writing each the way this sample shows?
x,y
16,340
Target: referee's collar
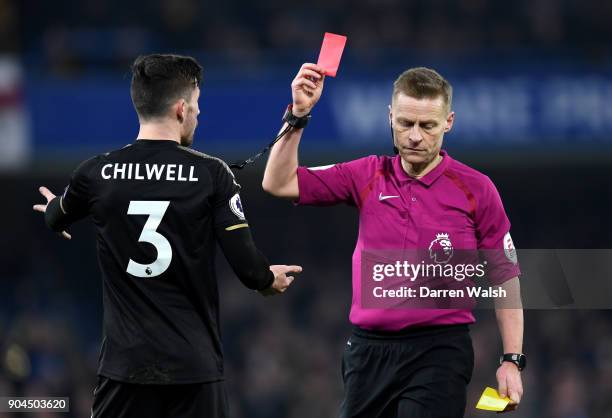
x,y
428,178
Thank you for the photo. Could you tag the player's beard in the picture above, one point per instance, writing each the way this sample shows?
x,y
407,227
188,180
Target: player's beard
x,y
187,140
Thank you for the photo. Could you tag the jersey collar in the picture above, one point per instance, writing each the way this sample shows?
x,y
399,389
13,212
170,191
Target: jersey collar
x,y
156,142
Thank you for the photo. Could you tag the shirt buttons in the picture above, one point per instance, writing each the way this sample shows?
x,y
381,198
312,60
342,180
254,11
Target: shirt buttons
x,y
414,199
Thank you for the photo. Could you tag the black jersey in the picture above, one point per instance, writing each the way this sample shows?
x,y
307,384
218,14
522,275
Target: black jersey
x,y
156,206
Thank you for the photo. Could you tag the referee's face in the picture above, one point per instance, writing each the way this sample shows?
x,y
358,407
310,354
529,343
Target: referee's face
x,y
191,112
419,126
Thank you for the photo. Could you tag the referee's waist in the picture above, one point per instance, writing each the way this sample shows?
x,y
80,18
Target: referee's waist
x,y
410,332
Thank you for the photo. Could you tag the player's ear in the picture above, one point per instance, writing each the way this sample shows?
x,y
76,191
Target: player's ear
x,y
390,116
450,119
181,108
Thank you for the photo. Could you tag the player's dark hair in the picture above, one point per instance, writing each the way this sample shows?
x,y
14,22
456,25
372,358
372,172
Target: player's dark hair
x,y
159,80
423,83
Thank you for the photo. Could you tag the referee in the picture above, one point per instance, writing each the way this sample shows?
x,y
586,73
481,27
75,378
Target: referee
x,y
408,363
160,208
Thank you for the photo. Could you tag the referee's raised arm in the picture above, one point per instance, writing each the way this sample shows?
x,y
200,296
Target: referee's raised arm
x,y
280,176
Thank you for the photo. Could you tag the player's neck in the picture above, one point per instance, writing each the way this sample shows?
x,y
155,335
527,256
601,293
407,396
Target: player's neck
x,y
159,131
420,170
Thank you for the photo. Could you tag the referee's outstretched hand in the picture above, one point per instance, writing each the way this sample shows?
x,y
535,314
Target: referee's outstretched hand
x,y
281,279
306,88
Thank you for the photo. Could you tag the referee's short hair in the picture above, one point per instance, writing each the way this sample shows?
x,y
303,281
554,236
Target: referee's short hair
x,y
159,80
423,83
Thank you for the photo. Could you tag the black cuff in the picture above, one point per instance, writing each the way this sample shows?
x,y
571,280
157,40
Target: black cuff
x,y
55,217
269,283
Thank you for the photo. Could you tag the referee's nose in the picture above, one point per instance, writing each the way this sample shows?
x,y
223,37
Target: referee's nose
x,y
414,135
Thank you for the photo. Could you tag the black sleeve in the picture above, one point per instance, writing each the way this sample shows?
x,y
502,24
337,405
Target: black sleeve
x,y
249,264
76,198
233,234
73,205
225,201
55,217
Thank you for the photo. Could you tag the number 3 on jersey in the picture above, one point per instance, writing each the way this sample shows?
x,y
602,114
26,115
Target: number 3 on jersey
x,y
156,211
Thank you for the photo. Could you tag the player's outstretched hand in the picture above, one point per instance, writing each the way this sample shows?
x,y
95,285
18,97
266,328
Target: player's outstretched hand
x,y
281,279
306,88
47,194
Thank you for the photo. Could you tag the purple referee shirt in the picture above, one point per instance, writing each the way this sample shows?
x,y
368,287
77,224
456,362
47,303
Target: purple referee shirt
x,y
401,212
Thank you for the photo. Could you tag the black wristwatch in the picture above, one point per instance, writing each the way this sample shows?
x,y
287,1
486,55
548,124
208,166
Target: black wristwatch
x,y
520,360
294,121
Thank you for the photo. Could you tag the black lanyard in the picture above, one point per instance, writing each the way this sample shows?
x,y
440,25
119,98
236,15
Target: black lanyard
x,y
241,164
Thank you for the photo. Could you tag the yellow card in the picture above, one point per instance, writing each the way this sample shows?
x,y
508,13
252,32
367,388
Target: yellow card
x,y
491,401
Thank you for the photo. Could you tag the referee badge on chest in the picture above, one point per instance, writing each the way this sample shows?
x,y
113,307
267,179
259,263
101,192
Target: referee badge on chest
x,y
440,237
236,206
441,248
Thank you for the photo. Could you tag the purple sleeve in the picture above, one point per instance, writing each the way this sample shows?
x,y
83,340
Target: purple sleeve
x,y
493,234
329,185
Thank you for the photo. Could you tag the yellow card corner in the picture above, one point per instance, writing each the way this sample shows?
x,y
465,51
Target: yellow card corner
x,y
491,401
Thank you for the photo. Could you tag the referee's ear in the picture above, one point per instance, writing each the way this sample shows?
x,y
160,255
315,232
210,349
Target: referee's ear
x,y
450,119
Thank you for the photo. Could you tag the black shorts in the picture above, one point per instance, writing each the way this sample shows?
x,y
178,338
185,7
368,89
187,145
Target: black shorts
x,y
420,373
114,399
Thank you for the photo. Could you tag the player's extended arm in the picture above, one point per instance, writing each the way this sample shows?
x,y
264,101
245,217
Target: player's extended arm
x,y
250,265
280,177
509,315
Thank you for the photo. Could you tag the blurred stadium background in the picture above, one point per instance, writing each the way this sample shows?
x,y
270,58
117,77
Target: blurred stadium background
x,y
533,96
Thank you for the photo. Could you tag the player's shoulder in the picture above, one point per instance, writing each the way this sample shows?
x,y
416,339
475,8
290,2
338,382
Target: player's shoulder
x,y
102,158
111,155
85,168
475,180
215,165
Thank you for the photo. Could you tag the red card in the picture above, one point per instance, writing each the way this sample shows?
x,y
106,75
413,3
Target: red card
x,y
331,52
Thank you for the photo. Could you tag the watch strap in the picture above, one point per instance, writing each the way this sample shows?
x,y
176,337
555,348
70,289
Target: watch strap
x,y
520,360
294,121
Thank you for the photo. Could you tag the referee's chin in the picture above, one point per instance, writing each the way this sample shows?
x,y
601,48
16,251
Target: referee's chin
x,y
412,158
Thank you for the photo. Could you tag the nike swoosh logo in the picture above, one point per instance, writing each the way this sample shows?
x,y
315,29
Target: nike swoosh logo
x,y
383,197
